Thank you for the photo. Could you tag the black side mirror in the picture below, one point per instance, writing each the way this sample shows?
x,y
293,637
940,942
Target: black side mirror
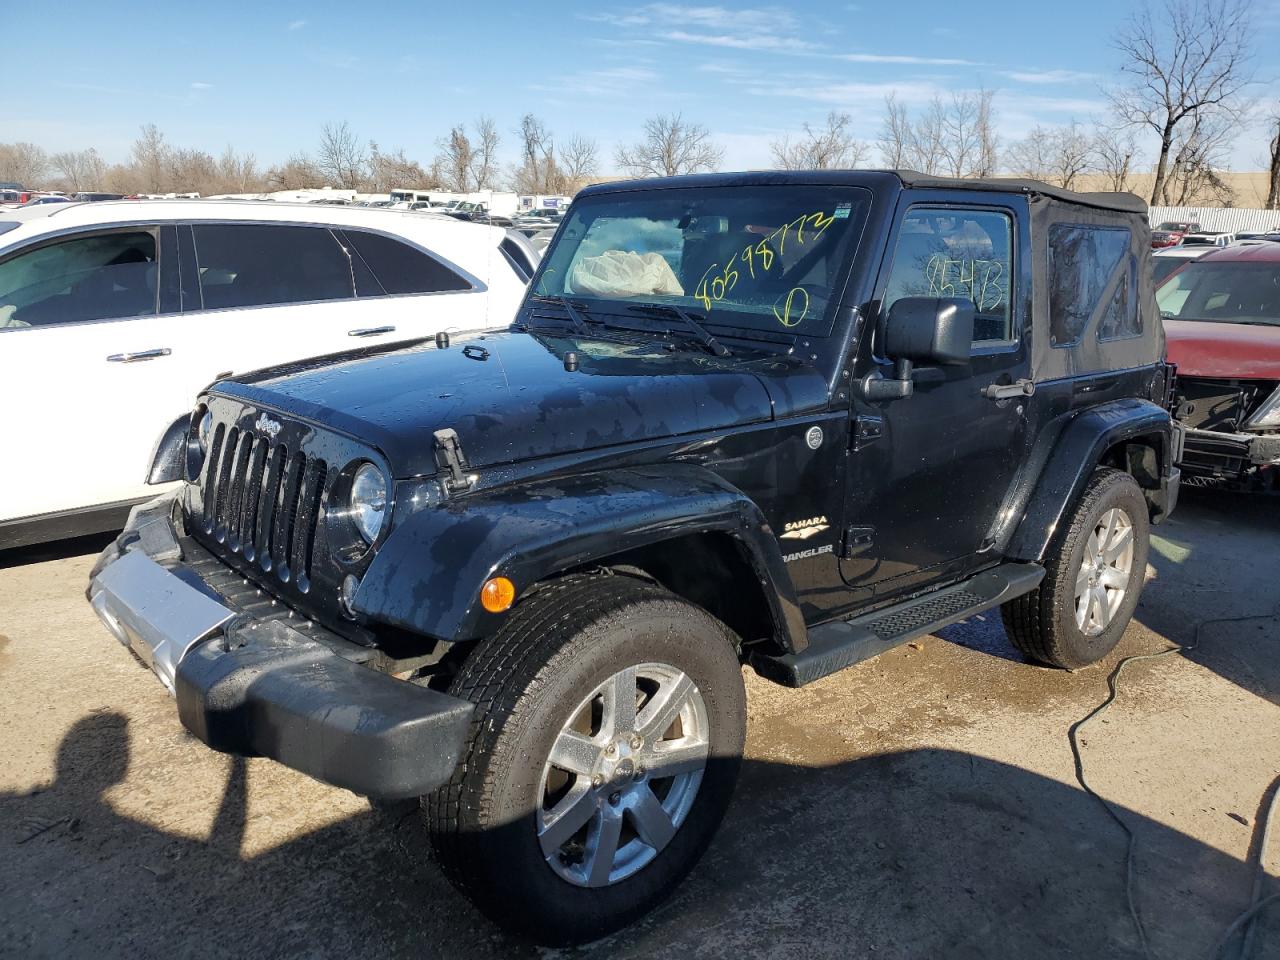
x,y
922,329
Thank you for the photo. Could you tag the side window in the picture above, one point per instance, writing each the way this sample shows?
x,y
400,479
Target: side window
x,y
99,277
1121,319
1083,260
952,252
401,268
251,265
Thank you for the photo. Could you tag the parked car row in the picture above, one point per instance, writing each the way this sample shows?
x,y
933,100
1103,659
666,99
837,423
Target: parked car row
x,y
114,315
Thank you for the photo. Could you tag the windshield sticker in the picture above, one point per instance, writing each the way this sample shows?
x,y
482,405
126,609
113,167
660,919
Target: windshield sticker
x,y
759,258
842,211
982,281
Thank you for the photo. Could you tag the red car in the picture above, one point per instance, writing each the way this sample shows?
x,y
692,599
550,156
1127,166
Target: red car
x,y
1222,319
1171,232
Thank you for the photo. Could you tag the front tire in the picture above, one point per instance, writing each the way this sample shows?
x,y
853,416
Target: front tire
x,y
608,732
1094,574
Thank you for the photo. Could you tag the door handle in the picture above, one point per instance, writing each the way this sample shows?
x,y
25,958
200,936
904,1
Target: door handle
x,y
1007,391
137,355
370,331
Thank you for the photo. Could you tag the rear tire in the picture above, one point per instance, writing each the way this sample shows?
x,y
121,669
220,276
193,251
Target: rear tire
x,y
546,688
1094,572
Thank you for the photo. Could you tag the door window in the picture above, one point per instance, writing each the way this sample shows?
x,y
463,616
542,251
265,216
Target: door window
x,y
951,252
400,268
99,277
252,265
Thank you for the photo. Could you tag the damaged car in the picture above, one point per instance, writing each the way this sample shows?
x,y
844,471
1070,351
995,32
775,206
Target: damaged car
x,y
1222,314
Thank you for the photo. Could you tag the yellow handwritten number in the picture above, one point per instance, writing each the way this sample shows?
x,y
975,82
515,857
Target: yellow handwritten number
x,y
794,307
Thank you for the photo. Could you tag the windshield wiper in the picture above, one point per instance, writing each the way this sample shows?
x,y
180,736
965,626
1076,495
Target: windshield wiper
x,y
700,333
575,317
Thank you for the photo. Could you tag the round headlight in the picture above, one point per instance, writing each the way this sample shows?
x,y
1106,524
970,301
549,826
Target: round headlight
x,y
368,501
205,431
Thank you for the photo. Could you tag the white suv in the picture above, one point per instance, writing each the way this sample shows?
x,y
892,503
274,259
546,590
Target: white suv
x,y
114,315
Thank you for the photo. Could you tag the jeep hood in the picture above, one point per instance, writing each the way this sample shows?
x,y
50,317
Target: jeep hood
x,y
514,396
1210,349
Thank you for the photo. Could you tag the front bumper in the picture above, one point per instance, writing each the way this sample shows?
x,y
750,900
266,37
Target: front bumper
x,y
261,687
1232,457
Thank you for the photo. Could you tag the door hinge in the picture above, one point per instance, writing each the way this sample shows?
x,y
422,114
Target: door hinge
x,y
855,539
866,431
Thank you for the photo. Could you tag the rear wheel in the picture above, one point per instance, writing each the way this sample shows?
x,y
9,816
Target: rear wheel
x,y
608,732
1094,574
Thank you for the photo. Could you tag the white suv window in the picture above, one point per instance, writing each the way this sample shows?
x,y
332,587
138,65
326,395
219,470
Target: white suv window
x,y
98,277
253,265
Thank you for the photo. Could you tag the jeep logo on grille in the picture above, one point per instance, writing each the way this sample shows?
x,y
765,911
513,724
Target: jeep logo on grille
x,y
268,426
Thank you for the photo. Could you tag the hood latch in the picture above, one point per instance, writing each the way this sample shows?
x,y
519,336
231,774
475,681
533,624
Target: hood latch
x,y
450,458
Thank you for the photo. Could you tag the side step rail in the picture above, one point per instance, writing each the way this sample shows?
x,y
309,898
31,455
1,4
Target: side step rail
x,y
842,643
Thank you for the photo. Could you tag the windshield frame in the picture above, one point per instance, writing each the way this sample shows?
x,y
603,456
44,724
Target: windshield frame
x,y
723,321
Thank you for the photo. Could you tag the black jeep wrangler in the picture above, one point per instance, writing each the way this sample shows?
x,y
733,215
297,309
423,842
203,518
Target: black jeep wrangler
x,y
787,420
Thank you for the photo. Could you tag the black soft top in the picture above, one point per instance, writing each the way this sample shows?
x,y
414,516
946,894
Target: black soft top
x,y
1119,202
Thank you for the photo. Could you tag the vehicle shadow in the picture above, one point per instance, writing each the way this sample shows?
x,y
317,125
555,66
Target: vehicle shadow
x,y
56,549
924,853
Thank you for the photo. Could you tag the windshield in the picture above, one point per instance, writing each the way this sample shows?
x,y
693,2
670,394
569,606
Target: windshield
x,y
1174,225
1161,267
768,258
1223,291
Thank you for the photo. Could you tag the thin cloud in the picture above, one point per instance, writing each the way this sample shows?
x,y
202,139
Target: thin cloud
x,y
296,24
200,85
751,41
907,59
1050,76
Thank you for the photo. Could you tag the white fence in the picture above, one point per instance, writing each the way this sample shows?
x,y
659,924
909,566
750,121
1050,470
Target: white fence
x,y
1225,219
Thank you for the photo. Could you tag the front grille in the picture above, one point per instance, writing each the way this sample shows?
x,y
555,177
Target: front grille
x,y
1219,404
261,500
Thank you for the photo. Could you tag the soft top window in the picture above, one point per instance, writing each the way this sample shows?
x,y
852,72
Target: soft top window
x,y
754,258
1083,261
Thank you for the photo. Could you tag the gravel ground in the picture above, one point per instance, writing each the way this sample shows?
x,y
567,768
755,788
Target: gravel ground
x,y
920,805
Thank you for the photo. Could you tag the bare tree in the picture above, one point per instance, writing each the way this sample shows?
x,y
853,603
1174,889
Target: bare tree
x,y
671,146
538,171
80,169
895,134
830,147
927,151
454,163
579,162
390,170
484,158
988,141
1114,155
237,173
1058,155
1199,154
1182,60
1273,180
299,172
23,163
150,156
340,157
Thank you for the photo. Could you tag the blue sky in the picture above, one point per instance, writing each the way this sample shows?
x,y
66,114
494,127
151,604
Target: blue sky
x,y
265,76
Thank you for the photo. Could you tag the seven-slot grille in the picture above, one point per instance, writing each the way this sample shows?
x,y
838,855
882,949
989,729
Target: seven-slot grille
x,y
262,501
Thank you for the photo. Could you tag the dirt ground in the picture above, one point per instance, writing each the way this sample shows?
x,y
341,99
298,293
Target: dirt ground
x,y
920,805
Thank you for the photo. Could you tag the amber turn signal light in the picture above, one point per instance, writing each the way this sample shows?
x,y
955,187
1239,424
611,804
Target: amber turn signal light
x,y
497,595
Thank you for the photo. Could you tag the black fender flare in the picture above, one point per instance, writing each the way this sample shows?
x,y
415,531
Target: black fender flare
x,y
427,576
1077,452
169,456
